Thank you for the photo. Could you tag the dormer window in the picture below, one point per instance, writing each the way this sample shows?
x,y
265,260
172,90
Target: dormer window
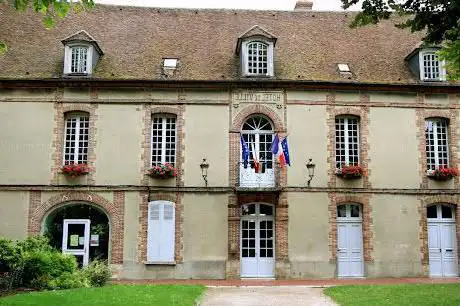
x,y
426,65
431,68
256,50
82,53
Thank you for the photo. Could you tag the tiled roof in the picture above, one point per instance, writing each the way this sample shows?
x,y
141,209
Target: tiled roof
x,y
136,39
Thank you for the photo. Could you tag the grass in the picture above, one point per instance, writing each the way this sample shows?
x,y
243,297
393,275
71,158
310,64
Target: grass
x,y
125,295
407,294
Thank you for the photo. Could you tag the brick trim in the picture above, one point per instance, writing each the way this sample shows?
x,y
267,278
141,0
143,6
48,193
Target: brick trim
x,y
255,109
148,112
363,114
421,116
368,223
176,198
423,224
114,210
60,109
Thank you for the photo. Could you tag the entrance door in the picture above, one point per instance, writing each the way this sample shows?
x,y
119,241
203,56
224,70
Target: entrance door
x,y
350,261
257,241
75,239
442,244
258,132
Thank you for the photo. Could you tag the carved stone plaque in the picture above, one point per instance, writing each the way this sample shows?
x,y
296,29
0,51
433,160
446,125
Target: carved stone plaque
x,y
250,96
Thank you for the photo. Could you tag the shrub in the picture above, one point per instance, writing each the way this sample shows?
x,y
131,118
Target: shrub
x,y
98,273
68,280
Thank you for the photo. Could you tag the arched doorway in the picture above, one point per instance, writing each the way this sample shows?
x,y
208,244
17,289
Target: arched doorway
x,y
257,131
442,241
350,259
80,229
257,240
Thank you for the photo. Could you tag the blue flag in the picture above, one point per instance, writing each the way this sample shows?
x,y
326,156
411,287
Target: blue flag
x,y
244,152
284,145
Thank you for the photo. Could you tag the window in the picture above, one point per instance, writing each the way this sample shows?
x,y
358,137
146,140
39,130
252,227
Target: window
x,y
437,147
161,231
431,68
257,58
349,211
76,138
79,59
346,141
163,140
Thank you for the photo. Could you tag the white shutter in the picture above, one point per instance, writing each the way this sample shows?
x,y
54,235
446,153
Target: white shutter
x,y
160,232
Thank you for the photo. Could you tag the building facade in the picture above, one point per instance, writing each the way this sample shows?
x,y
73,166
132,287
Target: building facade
x,y
123,89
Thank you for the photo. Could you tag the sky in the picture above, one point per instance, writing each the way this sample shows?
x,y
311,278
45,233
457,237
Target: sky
x,y
286,5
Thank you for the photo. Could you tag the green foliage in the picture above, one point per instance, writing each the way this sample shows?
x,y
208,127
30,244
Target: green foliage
x,y
51,9
69,280
98,273
439,18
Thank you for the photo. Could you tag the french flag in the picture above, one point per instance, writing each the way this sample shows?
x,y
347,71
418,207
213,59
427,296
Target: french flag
x,y
281,150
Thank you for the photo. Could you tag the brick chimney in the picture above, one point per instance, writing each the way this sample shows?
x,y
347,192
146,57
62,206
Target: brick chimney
x,y
303,5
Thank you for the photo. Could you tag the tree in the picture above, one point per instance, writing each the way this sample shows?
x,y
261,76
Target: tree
x,y
52,10
439,18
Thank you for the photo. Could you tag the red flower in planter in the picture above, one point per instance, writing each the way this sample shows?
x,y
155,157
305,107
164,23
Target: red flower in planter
x,y
442,173
165,170
74,170
350,171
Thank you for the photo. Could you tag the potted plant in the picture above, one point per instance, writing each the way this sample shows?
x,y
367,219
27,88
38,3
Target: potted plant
x,y
350,171
162,171
74,170
442,173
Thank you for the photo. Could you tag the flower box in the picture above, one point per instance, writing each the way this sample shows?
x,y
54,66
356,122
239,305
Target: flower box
x,y
163,171
350,172
442,173
74,170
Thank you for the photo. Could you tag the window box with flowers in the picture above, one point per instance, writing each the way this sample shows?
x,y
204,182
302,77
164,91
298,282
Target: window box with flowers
x,y
75,170
350,172
442,173
163,171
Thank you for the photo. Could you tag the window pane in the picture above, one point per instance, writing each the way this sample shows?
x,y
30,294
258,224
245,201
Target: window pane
x,y
446,212
266,210
354,211
432,211
342,211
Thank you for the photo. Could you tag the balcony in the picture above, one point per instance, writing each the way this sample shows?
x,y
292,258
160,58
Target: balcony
x,y
267,180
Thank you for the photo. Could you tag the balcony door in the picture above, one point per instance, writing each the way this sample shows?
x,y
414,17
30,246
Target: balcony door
x,y
258,132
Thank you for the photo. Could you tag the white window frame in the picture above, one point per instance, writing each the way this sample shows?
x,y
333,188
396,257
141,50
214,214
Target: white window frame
x,y
68,58
442,66
161,236
347,140
244,58
433,124
163,160
77,116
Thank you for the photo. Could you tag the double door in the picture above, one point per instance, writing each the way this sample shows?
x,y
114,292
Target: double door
x,y
442,249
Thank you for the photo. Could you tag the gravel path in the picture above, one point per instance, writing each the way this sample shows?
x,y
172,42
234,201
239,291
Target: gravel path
x,y
267,296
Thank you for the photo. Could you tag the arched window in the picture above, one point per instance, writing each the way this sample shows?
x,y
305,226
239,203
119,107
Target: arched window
x,y
164,137
258,132
440,212
346,141
349,211
76,139
257,58
161,231
437,143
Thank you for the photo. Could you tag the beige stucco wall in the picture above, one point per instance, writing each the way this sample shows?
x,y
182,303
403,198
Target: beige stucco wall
x,y
206,136
396,236
309,235
14,211
307,139
205,227
389,97
305,96
118,148
131,226
393,148
26,137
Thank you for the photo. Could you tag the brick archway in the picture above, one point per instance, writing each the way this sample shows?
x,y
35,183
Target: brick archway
x,y
423,228
115,211
243,115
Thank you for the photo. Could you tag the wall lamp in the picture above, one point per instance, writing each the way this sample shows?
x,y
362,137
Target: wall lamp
x,y
204,171
311,170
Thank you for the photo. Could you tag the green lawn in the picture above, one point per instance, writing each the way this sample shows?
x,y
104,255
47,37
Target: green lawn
x,y
124,295
407,294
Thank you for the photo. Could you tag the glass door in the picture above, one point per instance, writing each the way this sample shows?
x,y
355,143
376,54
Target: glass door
x,y
75,239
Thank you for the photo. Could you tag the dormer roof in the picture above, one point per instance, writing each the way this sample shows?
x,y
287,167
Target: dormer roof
x,y
255,31
83,36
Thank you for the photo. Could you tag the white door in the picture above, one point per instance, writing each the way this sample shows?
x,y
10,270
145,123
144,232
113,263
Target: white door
x,y
257,241
442,243
350,261
258,134
75,239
